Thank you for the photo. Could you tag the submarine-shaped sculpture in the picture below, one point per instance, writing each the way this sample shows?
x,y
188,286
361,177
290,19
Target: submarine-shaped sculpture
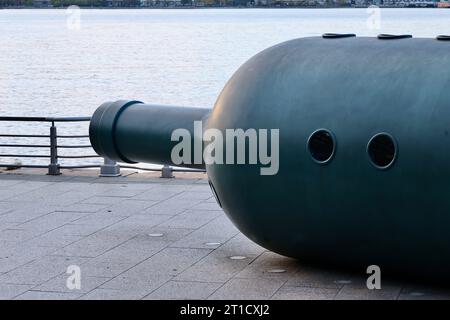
x,y
364,150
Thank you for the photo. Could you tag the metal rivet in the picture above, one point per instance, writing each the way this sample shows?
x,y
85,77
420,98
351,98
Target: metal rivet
x,y
443,38
393,36
338,35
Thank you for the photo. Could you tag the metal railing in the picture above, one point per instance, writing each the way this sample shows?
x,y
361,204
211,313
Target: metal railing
x,y
107,168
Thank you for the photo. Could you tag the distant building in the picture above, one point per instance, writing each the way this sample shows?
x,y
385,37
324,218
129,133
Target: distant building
x,y
421,3
360,3
160,3
263,2
114,3
42,3
397,3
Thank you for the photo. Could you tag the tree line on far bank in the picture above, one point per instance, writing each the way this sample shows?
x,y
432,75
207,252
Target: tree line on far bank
x,y
66,3
137,3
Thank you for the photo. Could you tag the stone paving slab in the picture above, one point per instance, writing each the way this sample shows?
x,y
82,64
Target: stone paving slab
x,y
138,236
184,290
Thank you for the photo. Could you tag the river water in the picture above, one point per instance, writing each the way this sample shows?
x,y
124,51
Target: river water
x,y
60,63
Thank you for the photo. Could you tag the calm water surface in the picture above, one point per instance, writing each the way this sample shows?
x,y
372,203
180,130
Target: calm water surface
x,y
179,57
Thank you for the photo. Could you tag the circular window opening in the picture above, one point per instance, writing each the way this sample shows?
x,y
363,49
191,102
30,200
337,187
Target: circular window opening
x,y
382,150
321,145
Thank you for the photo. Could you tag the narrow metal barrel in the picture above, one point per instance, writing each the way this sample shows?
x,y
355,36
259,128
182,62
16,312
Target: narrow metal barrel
x,y
131,131
362,150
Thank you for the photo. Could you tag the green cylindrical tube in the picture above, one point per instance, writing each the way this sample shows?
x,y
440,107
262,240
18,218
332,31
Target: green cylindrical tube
x,y
130,131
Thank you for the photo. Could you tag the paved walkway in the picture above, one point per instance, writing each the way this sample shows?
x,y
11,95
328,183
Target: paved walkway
x,y
142,237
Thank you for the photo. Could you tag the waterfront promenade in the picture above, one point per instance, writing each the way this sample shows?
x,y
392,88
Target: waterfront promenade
x,y
142,237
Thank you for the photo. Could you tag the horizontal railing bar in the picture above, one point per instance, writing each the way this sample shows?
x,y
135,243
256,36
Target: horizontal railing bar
x,y
188,170
23,166
78,157
47,156
41,136
156,169
46,166
82,166
46,119
25,135
42,119
25,145
24,156
66,137
139,168
42,146
68,119
76,146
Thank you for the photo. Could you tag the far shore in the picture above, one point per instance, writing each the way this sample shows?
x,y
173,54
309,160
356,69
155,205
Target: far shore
x,y
211,7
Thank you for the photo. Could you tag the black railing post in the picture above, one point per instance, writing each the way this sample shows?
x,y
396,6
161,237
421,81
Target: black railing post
x,y
53,167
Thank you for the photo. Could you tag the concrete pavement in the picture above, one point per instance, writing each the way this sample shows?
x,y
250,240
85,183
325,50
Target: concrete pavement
x,y
142,237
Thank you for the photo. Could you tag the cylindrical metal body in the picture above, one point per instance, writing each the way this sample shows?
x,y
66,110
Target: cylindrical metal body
x,y
130,131
347,210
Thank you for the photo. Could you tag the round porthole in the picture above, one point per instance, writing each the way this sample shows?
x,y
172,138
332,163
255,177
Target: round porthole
x,y
321,146
214,193
382,150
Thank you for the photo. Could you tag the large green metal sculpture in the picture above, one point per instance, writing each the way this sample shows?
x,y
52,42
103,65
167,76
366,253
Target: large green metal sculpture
x,y
364,150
